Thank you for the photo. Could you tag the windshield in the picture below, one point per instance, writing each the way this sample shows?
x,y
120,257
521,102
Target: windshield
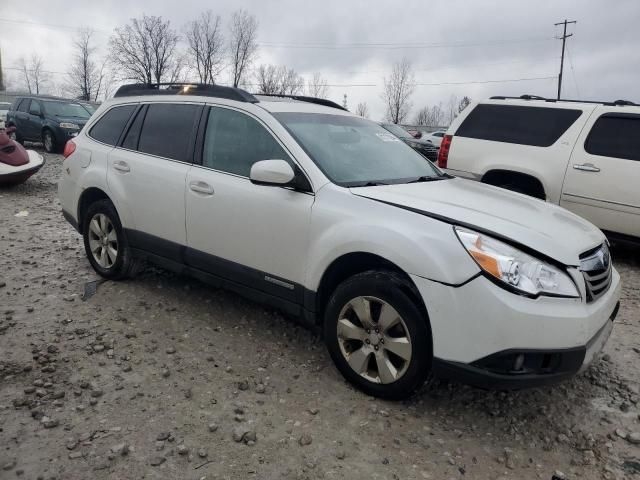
x,y
89,108
352,151
62,109
397,130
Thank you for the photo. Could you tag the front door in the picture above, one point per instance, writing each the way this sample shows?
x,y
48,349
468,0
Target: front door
x,y
601,183
254,235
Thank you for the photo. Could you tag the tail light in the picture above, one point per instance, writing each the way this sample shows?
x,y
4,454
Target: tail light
x,y
443,154
69,148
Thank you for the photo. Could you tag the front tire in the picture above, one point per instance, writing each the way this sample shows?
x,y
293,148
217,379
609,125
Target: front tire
x,y
378,336
105,242
49,142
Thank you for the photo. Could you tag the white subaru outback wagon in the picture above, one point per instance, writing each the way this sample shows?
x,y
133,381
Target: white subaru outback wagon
x,y
297,203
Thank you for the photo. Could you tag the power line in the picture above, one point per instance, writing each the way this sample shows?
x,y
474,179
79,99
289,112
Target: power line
x,y
394,46
564,40
487,81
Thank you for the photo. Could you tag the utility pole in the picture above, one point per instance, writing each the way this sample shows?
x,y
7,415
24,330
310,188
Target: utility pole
x,y
564,39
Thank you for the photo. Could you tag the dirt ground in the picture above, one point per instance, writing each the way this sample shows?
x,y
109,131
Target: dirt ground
x,y
163,377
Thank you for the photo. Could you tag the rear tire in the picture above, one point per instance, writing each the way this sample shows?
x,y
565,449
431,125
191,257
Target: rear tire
x,y
106,244
392,358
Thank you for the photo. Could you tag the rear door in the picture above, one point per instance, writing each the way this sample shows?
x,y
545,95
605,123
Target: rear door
x,y
147,173
33,124
603,177
21,116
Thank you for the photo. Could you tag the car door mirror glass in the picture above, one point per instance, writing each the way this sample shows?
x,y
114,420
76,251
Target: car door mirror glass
x,y
271,172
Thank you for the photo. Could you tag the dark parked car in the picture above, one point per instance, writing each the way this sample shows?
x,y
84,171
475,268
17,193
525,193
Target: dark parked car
x,y
423,147
49,120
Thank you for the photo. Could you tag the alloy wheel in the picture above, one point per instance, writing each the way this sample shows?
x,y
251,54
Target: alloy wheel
x,y
48,142
374,339
103,240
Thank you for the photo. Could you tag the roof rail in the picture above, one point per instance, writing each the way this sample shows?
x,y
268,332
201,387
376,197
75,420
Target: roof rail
x,y
199,89
302,98
553,100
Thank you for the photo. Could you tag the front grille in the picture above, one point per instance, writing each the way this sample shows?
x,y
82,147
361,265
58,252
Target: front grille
x,y
596,268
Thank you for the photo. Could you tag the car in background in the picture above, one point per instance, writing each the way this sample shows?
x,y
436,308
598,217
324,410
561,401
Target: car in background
x,y
435,137
4,108
50,120
584,156
423,147
90,107
414,133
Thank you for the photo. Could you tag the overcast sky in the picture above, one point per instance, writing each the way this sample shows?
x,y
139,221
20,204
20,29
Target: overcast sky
x,y
353,43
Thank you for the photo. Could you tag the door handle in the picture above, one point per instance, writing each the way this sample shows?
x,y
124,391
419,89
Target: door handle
x,y
586,167
121,166
201,187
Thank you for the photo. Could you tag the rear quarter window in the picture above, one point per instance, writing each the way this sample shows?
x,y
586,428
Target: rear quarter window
x,y
110,126
615,135
522,125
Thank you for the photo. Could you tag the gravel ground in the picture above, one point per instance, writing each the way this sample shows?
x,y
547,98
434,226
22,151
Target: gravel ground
x,y
164,377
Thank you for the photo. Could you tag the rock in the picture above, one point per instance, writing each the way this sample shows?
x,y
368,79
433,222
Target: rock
x,y
3,283
98,348
260,388
156,461
243,433
621,433
562,438
305,439
250,436
213,427
202,453
49,423
163,436
634,438
9,465
71,444
558,475
126,368
120,449
243,385
341,455
165,372
313,411
97,393
182,449
171,350
74,455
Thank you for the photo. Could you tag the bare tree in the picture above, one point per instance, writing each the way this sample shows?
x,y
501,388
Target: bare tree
x,y
317,86
33,73
144,50
85,77
452,109
278,80
398,89
432,116
2,77
205,46
242,43
362,109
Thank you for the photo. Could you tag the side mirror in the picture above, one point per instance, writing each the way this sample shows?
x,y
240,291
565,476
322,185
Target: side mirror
x,y
271,172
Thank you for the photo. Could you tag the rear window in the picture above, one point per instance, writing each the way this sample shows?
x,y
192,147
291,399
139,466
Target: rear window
x,y
110,126
168,130
615,135
535,126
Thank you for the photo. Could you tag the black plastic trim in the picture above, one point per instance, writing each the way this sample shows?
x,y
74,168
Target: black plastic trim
x,y
69,218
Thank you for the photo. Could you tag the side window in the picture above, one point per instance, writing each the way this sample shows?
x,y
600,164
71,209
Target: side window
x,y
235,141
615,135
133,135
110,126
24,105
535,126
168,130
34,109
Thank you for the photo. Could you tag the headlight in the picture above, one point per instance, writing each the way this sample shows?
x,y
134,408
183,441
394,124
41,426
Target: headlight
x,y
69,125
515,268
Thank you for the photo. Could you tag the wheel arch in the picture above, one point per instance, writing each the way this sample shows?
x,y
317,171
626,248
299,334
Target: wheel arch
x,y
531,184
349,264
90,195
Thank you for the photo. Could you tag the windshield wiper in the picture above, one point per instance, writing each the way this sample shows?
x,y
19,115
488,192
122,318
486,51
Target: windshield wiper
x,y
426,178
370,183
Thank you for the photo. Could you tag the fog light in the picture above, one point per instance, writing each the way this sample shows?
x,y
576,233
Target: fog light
x,y
519,362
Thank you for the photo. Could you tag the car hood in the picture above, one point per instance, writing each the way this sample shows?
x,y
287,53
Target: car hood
x,y
541,226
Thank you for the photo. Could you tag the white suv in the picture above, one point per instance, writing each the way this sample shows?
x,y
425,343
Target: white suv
x,y
584,156
325,215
